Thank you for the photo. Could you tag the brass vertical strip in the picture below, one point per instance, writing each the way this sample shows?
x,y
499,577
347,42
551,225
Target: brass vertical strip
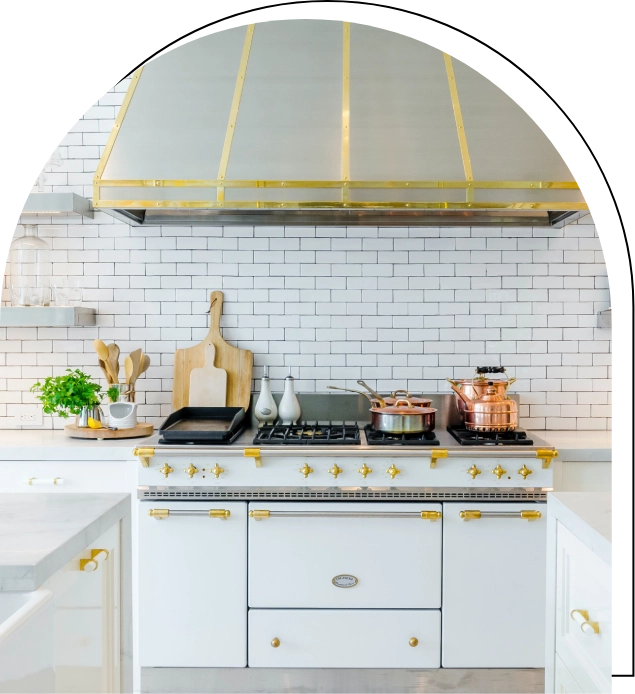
x,y
114,132
460,128
233,112
346,109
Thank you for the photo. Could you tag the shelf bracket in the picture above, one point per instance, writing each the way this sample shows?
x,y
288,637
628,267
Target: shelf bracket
x,y
255,454
547,455
437,453
144,455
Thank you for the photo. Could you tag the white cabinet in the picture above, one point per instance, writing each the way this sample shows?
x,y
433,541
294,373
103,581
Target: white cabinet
x,y
344,638
345,555
88,618
564,682
63,476
192,584
493,585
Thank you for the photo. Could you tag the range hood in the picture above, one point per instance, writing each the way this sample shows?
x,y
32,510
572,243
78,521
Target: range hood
x,y
326,123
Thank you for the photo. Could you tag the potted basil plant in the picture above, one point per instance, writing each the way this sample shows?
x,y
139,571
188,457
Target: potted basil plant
x,y
73,393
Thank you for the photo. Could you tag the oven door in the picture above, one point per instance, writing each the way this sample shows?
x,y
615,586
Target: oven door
x,y
345,555
494,586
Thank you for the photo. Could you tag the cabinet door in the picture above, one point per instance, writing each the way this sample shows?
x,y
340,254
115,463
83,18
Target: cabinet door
x,y
192,585
564,682
493,586
88,618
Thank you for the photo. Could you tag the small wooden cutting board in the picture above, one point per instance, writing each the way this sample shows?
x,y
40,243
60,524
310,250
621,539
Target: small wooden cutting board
x,y
208,385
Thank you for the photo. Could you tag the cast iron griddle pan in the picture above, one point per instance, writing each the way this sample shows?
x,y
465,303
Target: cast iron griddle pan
x,y
212,425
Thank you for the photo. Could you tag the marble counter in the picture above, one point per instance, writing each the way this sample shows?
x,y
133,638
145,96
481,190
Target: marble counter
x,y
49,444
40,533
580,446
587,515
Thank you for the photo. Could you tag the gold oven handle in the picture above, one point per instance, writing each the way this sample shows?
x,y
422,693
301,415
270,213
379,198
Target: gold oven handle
x,y
161,513
260,514
523,515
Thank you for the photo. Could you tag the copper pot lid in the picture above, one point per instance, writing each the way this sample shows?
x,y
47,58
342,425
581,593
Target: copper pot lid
x,y
414,400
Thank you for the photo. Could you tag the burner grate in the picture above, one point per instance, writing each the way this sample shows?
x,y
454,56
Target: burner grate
x,y
466,437
306,434
381,438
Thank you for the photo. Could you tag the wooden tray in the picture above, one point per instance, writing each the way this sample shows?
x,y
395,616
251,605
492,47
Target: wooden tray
x,y
140,430
236,362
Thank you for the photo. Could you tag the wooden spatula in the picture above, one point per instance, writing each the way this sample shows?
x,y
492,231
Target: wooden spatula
x,y
129,369
145,364
102,366
136,358
208,385
113,361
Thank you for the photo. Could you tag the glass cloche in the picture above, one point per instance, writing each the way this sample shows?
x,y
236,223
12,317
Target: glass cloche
x,y
30,269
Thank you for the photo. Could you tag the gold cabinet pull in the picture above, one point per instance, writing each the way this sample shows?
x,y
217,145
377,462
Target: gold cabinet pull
x,y
275,643
92,564
473,471
161,513
393,472
217,470
524,471
144,454
547,455
221,513
581,617
166,470
306,470
414,642
335,470
431,515
364,470
498,471
259,515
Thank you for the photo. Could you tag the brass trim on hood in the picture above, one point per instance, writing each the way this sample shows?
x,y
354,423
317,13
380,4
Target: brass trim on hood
x,y
460,128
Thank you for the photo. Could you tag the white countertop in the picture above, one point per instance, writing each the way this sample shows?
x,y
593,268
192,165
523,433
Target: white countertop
x,y
587,515
580,446
40,533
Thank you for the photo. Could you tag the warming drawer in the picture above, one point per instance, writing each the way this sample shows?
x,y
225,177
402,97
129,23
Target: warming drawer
x,y
345,638
345,555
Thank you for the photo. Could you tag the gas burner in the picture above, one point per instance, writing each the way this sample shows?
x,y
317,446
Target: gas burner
x,y
466,437
380,438
305,434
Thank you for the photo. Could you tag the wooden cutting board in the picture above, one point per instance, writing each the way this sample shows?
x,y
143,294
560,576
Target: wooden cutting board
x,y
238,363
208,385
142,429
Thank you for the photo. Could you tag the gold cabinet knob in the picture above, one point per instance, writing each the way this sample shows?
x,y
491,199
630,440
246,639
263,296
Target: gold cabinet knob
x,y
524,471
166,470
275,643
498,471
582,618
191,470
217,470
335,470
473,471
393,472
306,470
414,642
364,470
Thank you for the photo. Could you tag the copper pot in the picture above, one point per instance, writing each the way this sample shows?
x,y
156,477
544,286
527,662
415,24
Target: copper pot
x,y
490,412
392,398
475,388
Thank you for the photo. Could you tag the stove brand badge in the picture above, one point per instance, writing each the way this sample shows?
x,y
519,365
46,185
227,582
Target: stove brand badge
x,y
344,581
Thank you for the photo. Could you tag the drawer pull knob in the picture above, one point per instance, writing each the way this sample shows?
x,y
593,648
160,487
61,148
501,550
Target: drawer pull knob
x,y
581,617
364,470
190,471
473,471
41,481
306,470
524,471
498,471
217,470
414,642
393,472
96,555
166,470
275,643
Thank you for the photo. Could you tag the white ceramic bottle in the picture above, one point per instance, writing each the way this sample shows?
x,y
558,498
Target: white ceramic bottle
x,y
265,409
289,410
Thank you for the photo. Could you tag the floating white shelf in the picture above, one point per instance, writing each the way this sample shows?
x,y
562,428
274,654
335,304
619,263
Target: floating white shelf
x,y
52,204
46,316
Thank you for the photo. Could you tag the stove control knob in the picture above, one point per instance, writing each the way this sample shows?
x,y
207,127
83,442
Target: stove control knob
x,y
217,470
393,472
306,470
473,471
335,470
498,471
190,471
364,470
166,470
524,471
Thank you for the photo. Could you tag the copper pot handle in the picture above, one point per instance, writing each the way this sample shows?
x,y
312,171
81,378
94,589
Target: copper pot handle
x,y
459,392
401,390
408,403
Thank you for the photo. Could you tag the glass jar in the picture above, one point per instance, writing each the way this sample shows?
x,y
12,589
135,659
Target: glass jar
x,y
30,269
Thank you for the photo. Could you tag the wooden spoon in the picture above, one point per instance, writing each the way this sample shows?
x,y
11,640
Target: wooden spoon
x,y
113,361
102,366
128,365
145,364
136,358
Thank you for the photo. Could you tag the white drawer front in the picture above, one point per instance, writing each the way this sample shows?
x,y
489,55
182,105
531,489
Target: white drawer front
x,y
57,476
583,585
564,682
395,561
493,587
345,638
